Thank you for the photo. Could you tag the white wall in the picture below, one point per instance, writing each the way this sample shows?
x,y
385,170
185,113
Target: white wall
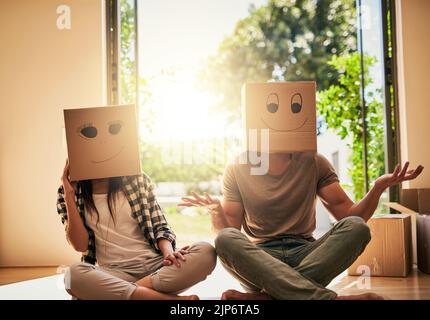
x,y
413,46
328,143
43,70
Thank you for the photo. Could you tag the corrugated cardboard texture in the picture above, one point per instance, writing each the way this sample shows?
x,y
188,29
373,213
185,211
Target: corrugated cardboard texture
x,y
424,201
409,199
112,152
389,252
417,202
423,242
275,106
418,199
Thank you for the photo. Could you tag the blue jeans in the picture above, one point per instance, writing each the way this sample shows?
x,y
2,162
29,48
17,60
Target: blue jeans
x,y
293,267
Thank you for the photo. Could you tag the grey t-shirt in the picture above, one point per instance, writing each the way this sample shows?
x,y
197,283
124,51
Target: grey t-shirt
x,y
277,205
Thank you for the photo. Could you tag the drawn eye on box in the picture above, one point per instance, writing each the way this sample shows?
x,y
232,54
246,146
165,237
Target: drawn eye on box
x,y
89,131
293,105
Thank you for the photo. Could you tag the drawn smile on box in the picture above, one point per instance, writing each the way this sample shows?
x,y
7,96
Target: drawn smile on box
x,y
110,158
284,130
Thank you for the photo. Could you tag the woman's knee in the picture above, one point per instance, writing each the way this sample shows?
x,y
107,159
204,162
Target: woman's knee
x,y
206,256
75,274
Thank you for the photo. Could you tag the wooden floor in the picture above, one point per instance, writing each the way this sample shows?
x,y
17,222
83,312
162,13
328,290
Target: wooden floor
x,y
16,274
415,287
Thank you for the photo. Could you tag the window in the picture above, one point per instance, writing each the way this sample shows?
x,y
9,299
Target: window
x,y
335,160
184,64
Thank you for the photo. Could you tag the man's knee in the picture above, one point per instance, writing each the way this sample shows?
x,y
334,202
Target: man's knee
x,y
207,256
357,228
225,239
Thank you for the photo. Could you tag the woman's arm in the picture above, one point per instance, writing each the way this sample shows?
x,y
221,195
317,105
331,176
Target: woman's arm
x,y
159,223
76,233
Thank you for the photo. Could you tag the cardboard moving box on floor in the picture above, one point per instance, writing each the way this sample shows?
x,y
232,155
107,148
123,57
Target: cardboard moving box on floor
x,y
416,202
389,253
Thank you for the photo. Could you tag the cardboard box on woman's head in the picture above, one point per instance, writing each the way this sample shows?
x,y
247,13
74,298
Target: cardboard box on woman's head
x,y
286,110
102,142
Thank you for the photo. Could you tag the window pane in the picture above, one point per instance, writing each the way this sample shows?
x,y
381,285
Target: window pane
x,y
194,57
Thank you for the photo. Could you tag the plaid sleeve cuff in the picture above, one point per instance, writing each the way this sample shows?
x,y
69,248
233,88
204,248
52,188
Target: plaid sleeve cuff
x,y
168,235
61,205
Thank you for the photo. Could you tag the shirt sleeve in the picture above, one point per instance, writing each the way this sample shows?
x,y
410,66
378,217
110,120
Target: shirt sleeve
x,y
325,172
61,205
230,188
159,223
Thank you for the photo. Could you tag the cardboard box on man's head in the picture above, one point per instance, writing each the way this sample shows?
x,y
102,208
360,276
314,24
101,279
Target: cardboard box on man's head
x,y
286,109
102,142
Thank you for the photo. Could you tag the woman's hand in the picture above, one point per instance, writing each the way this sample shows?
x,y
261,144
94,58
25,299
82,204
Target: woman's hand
x,y
213,204
69,187
399,175
174,257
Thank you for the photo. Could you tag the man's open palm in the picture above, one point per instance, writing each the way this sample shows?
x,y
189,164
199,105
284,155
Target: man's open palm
x,y
213,204
399,175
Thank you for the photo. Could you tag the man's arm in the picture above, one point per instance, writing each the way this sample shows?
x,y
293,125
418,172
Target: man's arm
x,y
340,205
233,213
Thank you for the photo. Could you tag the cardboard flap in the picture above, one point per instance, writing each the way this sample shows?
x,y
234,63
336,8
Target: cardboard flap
x,y
398,207
392,216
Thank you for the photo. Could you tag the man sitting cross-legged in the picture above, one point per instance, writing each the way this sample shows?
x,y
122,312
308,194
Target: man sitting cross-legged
x,y
276,256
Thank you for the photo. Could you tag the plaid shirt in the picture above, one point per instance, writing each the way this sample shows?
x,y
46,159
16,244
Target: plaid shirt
x,y
144,208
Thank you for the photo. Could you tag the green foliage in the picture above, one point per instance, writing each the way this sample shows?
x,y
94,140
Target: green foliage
x,y
127,66
155,165
188,229
283,40
340,105
152,155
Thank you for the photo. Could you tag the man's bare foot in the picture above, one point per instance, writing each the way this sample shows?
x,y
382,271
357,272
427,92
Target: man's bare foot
x,y
364,296
236,295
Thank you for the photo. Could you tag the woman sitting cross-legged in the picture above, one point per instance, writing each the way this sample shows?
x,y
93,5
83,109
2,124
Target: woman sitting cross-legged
x,y
118,223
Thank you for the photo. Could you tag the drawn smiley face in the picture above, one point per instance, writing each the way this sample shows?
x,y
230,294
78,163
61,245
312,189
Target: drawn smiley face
x,y
102,142
91,133
291,107
285,111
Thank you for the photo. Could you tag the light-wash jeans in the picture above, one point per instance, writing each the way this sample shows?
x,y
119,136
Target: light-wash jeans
x,y
88,282
293,268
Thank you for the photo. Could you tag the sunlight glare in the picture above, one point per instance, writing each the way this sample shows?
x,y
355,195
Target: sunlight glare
x,y
181,112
